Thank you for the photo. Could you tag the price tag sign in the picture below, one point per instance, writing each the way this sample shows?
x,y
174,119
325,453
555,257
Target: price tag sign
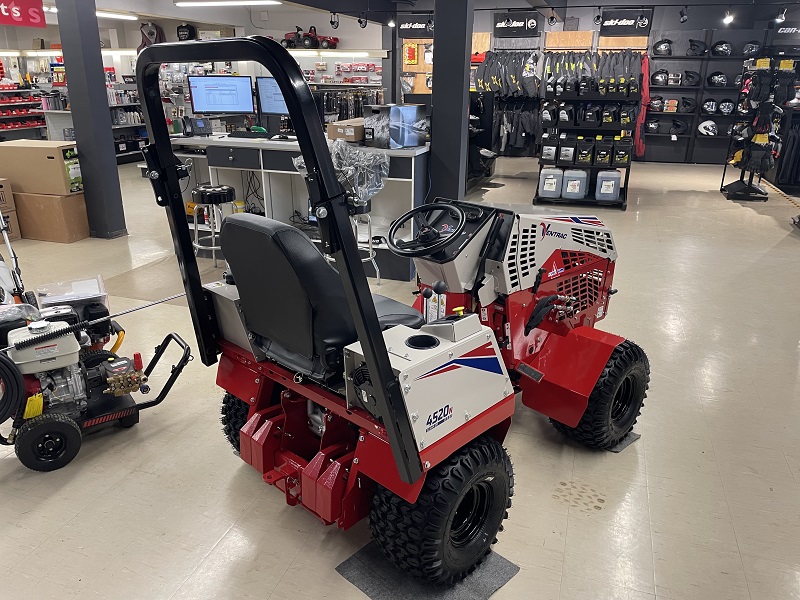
x,y
787,65
762,63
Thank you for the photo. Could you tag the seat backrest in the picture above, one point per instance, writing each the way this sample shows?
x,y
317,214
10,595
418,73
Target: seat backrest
x,y
289,292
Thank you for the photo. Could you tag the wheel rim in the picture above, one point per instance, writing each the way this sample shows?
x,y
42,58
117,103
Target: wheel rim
x,y
624,398
471,514
50,446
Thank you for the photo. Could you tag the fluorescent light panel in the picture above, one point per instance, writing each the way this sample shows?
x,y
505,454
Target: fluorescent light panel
x,y
112,15
119,51
9,52
54,52
201,3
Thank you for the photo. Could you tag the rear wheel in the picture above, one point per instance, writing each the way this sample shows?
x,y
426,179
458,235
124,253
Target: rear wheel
x,y
48,442
234,416
324,44
615,402
285,43
449,531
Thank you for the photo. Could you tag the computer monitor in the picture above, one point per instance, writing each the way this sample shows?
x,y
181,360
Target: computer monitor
x,y
221,94
270,97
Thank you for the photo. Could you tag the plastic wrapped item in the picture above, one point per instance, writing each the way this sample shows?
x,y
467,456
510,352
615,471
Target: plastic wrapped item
x,y
17,312
74,293
360,172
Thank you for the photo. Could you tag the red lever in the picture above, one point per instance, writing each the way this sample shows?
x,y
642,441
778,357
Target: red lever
x,y
137,361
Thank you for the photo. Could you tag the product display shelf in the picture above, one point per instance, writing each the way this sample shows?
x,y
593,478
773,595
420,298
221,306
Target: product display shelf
x,y
622,201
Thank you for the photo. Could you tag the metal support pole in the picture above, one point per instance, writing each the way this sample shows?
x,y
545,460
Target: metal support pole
x,y
452,41
391,75
91,116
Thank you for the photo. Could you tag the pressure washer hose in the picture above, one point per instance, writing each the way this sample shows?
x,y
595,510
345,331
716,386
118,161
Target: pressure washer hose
x,y
118,342
13,388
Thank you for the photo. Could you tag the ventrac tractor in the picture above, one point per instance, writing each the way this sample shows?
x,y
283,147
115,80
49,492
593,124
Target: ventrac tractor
x,y
354,405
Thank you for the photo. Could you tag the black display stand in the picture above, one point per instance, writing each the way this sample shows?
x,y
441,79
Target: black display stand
x,y
622,201
695,147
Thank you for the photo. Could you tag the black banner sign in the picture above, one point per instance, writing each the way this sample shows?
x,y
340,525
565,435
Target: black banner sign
x,y
619,22
415,26
517,24
786,34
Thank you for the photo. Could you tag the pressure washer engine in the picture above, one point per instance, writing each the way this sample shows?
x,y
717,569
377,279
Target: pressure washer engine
x,y
55,391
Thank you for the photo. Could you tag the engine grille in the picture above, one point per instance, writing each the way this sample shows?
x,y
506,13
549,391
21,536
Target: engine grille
x,y
521,255
591,238
585,287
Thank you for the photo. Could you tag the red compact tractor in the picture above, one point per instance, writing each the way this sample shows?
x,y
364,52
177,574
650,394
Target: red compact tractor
x,y
354,405
308,39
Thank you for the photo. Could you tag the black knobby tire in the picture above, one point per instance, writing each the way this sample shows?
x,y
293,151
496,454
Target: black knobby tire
x,y
94,358
616,400
449,531
30,298
48,442
234,416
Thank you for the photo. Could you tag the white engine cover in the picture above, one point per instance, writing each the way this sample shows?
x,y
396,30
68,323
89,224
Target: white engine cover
x,y
47,356
445,386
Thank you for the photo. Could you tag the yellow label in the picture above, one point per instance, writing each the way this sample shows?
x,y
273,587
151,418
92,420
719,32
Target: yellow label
x,y
760,138
34,406
787,65
762,63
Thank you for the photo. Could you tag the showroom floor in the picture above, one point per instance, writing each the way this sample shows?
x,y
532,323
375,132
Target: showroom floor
x,y
703,506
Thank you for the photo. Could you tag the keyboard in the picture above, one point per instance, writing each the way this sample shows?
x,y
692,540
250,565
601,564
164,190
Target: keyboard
x,y
252,135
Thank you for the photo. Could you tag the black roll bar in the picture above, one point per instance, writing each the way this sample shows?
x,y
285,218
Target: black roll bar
x,y
327,197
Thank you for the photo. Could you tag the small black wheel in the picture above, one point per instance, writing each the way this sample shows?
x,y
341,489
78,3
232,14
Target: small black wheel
x,y
285,43
129,421
449,531
30,298
94,358
234,416
48,442
616,401
324,44
308,42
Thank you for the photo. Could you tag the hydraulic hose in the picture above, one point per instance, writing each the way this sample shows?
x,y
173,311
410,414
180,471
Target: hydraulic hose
x,y
13,388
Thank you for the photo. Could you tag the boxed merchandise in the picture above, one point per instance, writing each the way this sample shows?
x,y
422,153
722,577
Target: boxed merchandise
x,y
6,196
350,130
41,166
394,125
77,293
52,218
12,222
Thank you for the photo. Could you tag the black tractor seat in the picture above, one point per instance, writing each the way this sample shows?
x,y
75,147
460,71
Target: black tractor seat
x,y
293,299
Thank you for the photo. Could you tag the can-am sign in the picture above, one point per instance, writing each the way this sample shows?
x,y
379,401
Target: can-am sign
x,y
517,24
619,22
22,13
786,34
415,26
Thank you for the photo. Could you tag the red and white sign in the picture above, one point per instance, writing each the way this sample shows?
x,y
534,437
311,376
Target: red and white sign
x,y
22,13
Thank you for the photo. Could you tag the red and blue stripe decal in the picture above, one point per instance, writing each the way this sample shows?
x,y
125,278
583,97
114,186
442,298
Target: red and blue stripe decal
x,y
482,359
590,220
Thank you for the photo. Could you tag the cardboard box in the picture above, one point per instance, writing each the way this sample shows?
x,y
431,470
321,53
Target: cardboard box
x,y
394,125
41,167
6,196
350,130
37,44
12,221
52,218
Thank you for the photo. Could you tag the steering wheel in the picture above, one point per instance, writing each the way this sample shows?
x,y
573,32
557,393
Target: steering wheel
x,y
429,240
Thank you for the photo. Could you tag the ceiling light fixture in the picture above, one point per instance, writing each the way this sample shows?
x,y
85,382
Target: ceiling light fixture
x,y
101,14
9,53
684,14
598,18
391,22
781,16
552,18
204,3
728,17
334,21
429,23
362,20
50,9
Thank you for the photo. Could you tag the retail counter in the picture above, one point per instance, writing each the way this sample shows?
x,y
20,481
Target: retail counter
x,y
263,174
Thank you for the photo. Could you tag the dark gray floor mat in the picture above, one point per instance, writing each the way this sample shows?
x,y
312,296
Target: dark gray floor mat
x,y
379,579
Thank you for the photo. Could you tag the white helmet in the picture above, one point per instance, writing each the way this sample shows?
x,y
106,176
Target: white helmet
x,y
708,128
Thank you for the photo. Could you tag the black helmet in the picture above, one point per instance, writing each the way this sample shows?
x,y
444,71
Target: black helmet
x,y
727,106
738,81
662,48
717,79
691,78
678,127
660,77
697,48
651,125
722,48
657,103
751,49
709,106
687,105
708,128
730,129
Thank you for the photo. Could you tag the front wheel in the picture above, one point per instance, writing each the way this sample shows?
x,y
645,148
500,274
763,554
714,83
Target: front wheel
x,y
48,442
285,43
449,531
616,400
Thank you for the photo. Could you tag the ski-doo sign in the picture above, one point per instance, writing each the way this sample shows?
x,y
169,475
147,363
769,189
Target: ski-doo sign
x,y
626,22
517,24
415,26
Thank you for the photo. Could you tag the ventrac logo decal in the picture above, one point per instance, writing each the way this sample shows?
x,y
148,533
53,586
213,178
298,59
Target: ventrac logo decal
x,y
556,271
438,417
547,232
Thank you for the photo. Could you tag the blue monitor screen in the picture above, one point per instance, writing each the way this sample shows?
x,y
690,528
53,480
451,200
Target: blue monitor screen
x,y
221,94
270,97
